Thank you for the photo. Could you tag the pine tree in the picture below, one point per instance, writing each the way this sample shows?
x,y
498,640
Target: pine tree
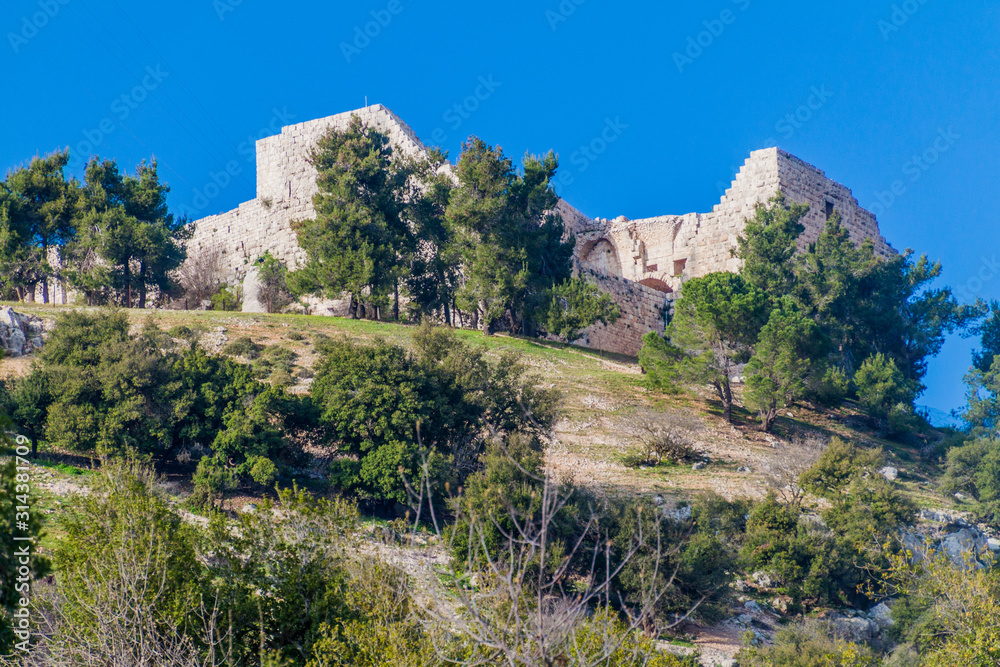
x,y
513,248
715,325
784,354
768,244
360,240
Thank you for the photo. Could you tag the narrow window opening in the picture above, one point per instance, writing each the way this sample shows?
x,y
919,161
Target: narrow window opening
x,y
679,266
829,209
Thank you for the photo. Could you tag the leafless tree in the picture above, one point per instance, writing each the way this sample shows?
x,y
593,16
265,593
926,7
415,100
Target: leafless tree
x,y
527,606
665,435
782,472
201,275
128,631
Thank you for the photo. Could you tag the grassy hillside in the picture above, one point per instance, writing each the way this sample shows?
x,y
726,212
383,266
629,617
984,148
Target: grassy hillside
x,y
607,409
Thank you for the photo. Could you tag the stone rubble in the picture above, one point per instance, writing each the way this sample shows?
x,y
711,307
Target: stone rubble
x,y
20,335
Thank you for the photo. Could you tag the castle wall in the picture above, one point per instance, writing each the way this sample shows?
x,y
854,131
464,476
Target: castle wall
x,y
643,309
670,249
641,263
286,184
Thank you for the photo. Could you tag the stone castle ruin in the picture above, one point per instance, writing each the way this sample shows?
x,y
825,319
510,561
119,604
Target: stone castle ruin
x,y
641,263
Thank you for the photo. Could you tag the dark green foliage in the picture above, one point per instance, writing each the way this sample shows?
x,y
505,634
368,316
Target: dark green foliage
x,y
577,304
511,244
126,241
817,563
243,347
374,398
434,275
212,480
659,361
37,212
227,299
974,469
273,276
691,562
840,462
982,414
783,359
768,244
27,402
715,325
864,504
869,305
14,488
360,235
104,388
989,332
883,389
110,390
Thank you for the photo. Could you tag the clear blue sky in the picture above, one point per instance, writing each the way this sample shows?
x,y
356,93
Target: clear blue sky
x,y
194,81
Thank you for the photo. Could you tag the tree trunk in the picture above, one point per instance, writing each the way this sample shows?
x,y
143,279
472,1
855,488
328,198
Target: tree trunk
x,y
352,308
395,301
128,285
447,314
142,285
726,396
767,418
484,319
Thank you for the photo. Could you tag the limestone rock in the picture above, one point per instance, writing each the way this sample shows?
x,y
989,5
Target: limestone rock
x,y
890,473
251,292
882,615
20,334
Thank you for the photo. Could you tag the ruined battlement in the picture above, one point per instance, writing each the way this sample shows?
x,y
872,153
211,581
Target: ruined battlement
x,y
641,263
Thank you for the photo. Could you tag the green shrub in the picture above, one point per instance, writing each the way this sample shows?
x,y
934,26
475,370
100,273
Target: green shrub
x,y
809,644
374,398
831,388
227,300
881,386
211,481
243,347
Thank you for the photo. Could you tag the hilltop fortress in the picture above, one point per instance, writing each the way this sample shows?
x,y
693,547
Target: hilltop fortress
x,y
641,263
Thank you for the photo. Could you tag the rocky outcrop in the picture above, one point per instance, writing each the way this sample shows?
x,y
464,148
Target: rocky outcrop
x,y
20,335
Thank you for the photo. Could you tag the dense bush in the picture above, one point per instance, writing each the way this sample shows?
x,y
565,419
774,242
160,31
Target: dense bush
x,y
100,387
429,413
809,644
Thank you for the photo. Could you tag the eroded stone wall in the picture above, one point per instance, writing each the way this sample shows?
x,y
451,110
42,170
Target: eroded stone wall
x,y
643,309
286,184
641,263
664,251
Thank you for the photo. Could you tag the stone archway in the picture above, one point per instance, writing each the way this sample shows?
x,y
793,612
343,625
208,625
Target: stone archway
x,y
657,284
601,256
